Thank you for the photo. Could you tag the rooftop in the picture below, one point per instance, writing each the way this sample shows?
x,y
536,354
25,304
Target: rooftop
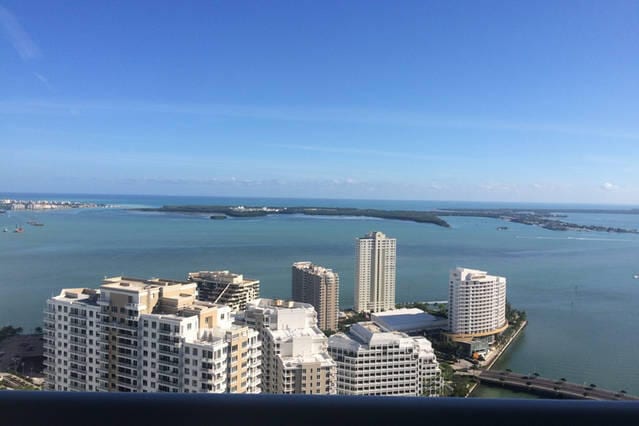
x,y
138,284
289,333
278,303
467,274
312,268
408,320
295,360
221,276
82,295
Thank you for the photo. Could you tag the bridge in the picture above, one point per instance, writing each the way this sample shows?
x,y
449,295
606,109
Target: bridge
x,y
550,388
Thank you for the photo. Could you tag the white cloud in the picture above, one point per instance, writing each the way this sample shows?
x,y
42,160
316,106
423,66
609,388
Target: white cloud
x,y
609,186
21,41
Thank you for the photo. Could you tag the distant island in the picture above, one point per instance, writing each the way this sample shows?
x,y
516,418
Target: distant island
x,y
544,218
547,219
248,211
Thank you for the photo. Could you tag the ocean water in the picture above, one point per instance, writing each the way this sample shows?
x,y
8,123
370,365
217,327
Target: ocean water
x,y
577,287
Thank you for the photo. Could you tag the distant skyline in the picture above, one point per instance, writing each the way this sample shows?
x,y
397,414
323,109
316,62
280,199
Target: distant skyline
x,y
415,100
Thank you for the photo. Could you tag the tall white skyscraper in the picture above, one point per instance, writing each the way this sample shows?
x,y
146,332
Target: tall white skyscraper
x,y
476,303
375,273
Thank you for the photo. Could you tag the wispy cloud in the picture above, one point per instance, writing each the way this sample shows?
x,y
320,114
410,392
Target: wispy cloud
x,y
359,151
42,79
314,114
20,39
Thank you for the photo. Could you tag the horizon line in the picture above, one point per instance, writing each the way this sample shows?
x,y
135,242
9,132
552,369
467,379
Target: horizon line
x,y
321,198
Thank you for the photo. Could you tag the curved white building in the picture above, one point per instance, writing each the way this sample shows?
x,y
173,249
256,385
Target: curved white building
x,y
476,303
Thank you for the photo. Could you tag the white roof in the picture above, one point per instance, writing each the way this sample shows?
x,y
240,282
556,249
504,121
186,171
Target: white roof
x,y
407,320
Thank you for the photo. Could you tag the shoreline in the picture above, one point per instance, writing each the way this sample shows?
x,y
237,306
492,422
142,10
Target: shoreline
x,y
545,219
488,364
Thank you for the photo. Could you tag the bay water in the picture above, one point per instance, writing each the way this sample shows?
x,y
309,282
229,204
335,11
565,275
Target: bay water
x,y
576,287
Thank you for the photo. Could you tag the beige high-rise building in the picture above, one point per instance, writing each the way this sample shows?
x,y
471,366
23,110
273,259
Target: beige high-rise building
x,y
135,335
225,288
294,350
318,286
375,273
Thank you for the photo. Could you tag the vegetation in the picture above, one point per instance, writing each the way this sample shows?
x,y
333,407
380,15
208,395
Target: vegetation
x,y
356,317
445,349
543,218
455,385
233,211
9,331
439,310
515,319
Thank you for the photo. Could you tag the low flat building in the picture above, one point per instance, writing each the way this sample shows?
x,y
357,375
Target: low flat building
x,y
225,288
409,320
374,361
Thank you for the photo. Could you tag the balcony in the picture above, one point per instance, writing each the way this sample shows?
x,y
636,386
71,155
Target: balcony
x,y
136,306
123,326
175,363
132,376
78,315
167,351
78,350
78,332
132,345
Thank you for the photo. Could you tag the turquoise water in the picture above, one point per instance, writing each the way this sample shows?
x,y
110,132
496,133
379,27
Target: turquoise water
x,y
576,287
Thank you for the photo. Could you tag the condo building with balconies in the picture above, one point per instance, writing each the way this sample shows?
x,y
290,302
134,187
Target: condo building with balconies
x,y
318,286
136,335
375,273
225,288
295,359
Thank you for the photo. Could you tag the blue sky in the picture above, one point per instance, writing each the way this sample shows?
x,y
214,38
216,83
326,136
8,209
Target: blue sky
x,y
462,100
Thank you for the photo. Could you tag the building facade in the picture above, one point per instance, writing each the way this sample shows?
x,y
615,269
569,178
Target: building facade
x,y
319,287
225,288
374,361
476,303
134,335
375,273
295,359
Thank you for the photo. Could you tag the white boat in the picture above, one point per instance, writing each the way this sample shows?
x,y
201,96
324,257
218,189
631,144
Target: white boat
x,y
636,276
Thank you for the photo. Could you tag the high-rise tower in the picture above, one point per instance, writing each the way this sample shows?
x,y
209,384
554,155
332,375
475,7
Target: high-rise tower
x,y
318,286
375,273
476,303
